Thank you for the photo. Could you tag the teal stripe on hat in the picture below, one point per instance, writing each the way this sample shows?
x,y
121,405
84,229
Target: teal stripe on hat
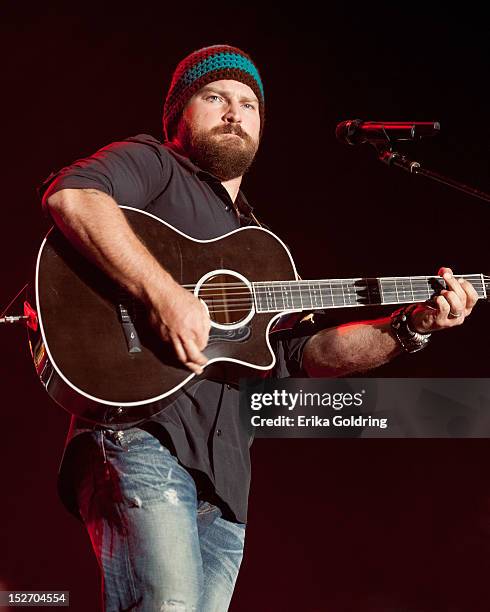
x,y
222,61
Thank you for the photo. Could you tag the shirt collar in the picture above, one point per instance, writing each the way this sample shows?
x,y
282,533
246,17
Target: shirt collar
x,y
241,201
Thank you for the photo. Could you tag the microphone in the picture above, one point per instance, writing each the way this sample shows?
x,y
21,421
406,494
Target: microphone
x,y
356,131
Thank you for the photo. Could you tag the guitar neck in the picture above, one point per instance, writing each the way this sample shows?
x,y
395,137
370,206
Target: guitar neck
x,y
278,296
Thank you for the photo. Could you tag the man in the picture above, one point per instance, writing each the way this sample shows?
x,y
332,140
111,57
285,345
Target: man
x,y
165,503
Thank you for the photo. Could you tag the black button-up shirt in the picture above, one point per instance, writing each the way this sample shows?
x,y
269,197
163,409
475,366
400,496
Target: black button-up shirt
x,y
202,427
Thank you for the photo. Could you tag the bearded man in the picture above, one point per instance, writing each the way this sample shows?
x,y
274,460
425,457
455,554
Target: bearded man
x,y
165,503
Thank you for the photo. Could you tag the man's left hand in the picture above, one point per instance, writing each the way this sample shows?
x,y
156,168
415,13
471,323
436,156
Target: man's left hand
x,y
449,309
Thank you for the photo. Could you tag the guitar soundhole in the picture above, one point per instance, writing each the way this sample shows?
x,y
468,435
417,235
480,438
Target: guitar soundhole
x,y
228,298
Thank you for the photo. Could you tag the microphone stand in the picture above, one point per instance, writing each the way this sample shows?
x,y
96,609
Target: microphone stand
x,y
393,158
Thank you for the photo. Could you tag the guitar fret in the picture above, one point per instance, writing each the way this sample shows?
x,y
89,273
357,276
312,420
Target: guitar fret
x,y
314,290
299,299
411,289
326,293
403,292
272,297
396,291
343,294
285,297
387,291
351,293
301,296
259,291
265,298
309,291
279,296
291,296
321,295
317,293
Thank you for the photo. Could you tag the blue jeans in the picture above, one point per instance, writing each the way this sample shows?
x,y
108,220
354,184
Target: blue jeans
x,y
159,547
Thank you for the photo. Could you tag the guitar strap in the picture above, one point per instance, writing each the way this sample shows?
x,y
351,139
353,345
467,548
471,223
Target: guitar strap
x,y
255,219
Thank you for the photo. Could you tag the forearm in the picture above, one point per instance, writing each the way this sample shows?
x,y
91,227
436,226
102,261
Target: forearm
x,y
350,348
97,227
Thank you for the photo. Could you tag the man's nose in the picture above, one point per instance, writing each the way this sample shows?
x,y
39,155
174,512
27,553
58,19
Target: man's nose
x,y
233,113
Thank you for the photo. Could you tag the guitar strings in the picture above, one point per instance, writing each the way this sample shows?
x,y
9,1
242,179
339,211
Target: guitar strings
x,y
236,296
342,282
243,300
407,279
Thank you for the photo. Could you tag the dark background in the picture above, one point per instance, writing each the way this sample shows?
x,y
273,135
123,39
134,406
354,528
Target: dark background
x,y
335,525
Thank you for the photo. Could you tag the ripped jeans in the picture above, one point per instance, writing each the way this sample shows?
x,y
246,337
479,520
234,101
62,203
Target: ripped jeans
x,y
159,548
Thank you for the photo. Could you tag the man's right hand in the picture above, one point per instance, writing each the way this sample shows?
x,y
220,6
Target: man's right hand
x,y
182,319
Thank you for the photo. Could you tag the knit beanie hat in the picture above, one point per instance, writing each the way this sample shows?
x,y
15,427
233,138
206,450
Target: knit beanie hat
x,y
205,66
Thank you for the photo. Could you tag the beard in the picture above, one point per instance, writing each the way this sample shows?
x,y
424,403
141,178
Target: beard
x,y
226,158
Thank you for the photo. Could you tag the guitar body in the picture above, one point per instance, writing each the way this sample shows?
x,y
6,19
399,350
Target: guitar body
x,y
108,373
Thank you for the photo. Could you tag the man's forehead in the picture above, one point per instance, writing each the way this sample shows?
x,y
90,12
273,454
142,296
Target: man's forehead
x,y
229,86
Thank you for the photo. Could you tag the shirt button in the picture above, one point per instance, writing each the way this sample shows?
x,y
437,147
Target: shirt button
x,y
228,387
218,432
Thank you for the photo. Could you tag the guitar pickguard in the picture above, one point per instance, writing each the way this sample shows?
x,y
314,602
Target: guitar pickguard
x,y
229,335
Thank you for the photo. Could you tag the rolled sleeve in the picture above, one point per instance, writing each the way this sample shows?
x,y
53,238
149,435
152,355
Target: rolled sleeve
x,y
289,344
133,172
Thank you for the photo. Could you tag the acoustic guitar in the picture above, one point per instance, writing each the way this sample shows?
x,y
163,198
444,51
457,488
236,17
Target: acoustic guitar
x,y
99,358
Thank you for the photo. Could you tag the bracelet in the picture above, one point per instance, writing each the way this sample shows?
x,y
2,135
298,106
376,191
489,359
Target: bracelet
x,y
410,341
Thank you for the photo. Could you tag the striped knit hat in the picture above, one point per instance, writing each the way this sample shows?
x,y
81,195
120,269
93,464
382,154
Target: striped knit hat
x,y
205,66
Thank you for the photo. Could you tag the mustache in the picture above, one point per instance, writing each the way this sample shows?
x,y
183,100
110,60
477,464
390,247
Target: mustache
x,y
231,128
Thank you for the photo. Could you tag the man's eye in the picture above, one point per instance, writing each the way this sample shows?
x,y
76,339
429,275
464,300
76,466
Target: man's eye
x,y
213,97
250,106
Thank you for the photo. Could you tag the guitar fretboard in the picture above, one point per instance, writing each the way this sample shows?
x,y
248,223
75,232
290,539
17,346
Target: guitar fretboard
x,y
277,296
